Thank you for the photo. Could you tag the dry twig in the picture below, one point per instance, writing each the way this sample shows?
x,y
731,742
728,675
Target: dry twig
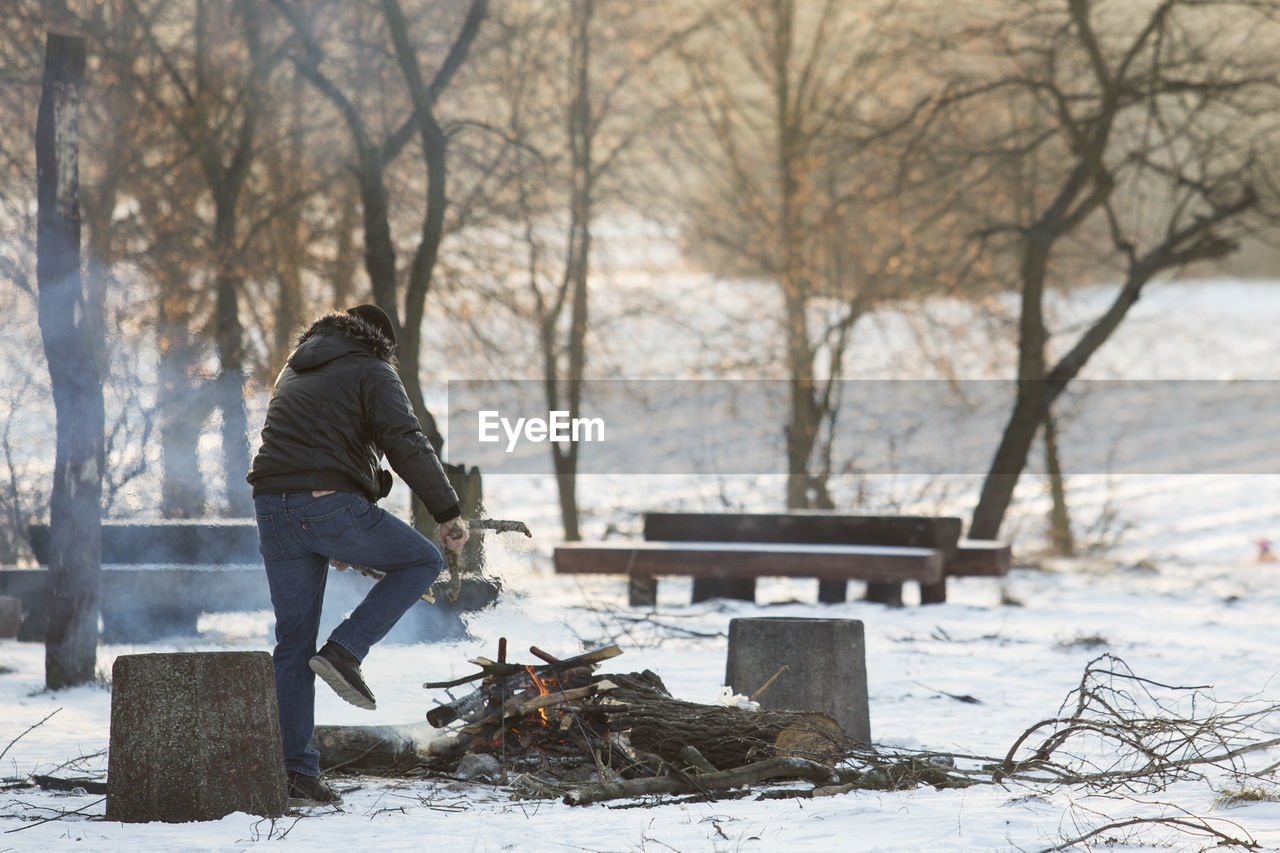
x,y
1114,732
30,729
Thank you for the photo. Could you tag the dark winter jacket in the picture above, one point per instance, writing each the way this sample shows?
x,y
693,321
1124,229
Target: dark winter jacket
x,y
337,406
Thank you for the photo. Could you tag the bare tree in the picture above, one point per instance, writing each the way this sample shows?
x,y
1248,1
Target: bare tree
x,y
373,155
199,74
789,97
576,82
26,487
1137,128
75,518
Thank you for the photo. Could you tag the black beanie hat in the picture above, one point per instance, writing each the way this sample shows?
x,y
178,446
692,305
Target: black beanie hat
x,y
376,317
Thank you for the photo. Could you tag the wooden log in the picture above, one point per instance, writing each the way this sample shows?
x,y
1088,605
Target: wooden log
x,y
375,749
727,737
761,771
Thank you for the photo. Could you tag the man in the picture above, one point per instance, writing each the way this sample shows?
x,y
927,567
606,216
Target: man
x,y
337,407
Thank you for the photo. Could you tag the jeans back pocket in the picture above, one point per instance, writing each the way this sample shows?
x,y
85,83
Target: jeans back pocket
x,y
269,544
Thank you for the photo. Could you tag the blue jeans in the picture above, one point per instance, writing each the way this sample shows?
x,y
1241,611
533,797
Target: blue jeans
x,y
298,534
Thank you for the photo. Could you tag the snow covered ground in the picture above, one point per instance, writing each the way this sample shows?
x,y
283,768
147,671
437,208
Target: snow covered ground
x,y
1177,594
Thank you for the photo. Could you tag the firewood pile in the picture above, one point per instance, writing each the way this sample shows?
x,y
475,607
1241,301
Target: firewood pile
x,y
559,722
558,728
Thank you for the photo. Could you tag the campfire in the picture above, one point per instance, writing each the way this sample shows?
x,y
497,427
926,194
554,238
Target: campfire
x,y
558,728
532,714
559,716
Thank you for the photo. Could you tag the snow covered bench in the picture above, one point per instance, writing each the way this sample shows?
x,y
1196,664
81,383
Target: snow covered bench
x,y
960,557
644,562
881,540
157,576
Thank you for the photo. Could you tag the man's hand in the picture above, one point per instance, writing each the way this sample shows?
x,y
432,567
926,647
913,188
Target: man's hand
x,y
454,533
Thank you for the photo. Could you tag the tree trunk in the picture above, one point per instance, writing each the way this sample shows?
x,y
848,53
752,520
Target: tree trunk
x,y
1010,459
1059,515
346,254
567,482
288,167
1030,404
803,490
183,408
230,393
75,519
563,388
226,174
434,147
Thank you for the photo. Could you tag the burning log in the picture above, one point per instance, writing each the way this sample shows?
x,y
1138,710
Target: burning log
x,y
502,679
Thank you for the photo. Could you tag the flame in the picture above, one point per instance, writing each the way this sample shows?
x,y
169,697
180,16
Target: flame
x,y
543,690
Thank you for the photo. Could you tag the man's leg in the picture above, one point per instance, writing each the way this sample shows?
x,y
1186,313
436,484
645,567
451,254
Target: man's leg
x,y
348,528
297,580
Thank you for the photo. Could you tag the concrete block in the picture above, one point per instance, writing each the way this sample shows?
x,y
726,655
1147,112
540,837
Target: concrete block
x,y
194,736
10,616
826,667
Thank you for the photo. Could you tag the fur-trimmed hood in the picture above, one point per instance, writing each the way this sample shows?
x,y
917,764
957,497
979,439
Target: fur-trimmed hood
x,y
337,335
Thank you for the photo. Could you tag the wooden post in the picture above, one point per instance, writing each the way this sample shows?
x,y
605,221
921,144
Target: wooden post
x,y
642,591
67,329
803,665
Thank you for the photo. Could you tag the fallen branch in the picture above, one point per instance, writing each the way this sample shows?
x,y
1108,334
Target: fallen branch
x,y
1147,743
1192,825
58,816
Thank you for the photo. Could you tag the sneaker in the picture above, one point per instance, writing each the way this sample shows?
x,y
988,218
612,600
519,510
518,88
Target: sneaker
x,y
341,670
307,790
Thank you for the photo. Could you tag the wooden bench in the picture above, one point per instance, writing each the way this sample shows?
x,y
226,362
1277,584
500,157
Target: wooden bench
x,y
644,562
159,576
891,537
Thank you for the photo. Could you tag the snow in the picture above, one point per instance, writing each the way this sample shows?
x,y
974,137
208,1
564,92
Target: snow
x,y
1171,586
